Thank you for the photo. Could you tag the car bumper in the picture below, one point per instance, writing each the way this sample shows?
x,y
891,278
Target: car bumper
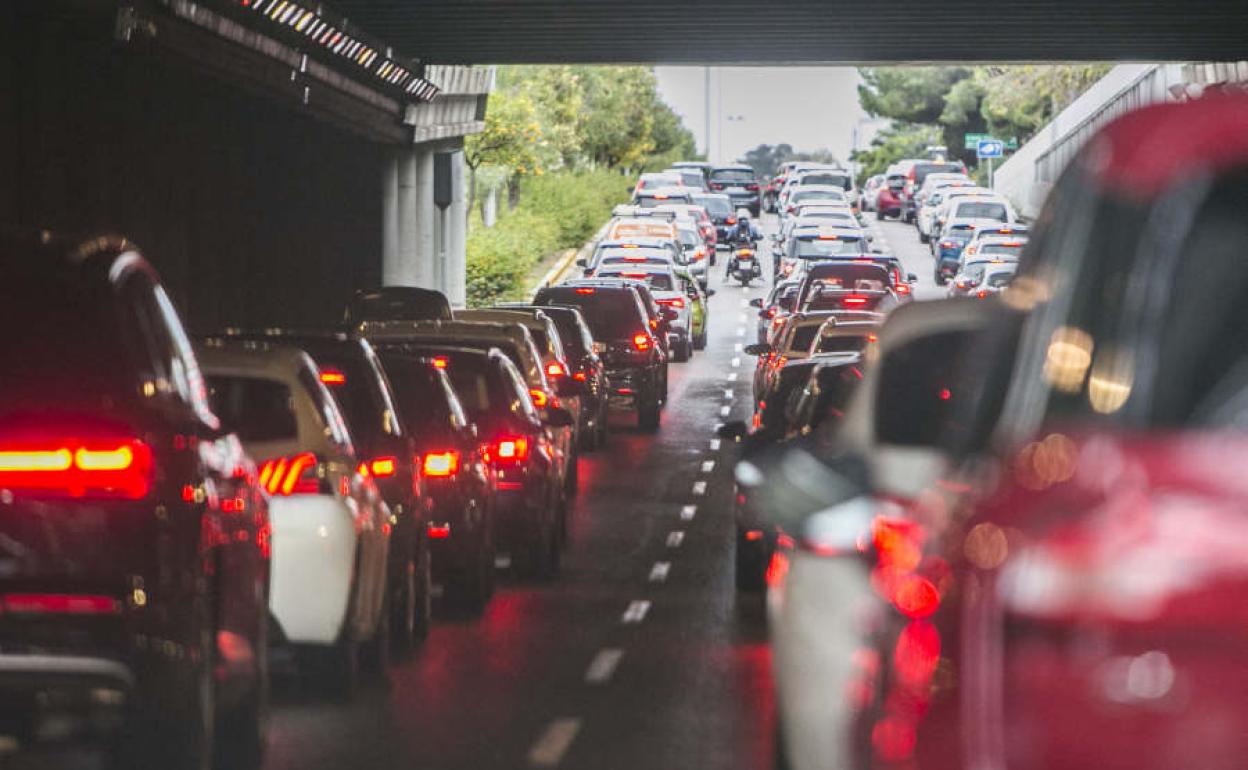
x,y
625,385
313,564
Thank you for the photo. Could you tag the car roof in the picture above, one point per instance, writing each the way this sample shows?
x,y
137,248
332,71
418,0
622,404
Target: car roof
x,y
732,167
252,357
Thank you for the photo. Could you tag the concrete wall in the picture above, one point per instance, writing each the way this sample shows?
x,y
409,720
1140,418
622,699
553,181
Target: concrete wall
x,y
1026,177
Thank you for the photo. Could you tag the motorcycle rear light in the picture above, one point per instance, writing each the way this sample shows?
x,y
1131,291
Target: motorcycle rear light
x,y
333,377
641,342
440,464
290,475
97,468
555,369
512,450
540,399
383,467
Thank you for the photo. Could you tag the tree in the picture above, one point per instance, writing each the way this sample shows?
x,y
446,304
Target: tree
x,y
511,138
765,159
901,140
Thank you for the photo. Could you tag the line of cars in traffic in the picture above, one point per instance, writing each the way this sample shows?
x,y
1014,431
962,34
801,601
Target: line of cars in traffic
x,y
175,507
1020,542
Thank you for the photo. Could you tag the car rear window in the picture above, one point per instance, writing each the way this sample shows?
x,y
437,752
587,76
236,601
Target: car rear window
x,y
836,180
817,195
652,201
1000,279
803,337
363,396
982,210
846,343
418,390
732,175
1014,249
610,313
921,170
817,248
656,281
836,301
851,275
257,409
715,204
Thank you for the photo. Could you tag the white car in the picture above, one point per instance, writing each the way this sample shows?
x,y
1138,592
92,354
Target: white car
x,y
330,526
826,194
937,194
980,205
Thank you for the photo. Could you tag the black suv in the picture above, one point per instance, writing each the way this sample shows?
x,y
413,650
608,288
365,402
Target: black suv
x,y
134,541
635,362
454,476
397,303
738,183
350,368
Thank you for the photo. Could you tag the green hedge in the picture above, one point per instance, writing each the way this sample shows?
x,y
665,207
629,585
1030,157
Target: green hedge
x,y
557,211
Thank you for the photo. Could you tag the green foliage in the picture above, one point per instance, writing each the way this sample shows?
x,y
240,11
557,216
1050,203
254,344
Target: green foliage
x,y
511,137
1008,102
765,159
559,210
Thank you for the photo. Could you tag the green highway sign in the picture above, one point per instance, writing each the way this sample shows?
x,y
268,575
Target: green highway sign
x,y
1011,143
971,141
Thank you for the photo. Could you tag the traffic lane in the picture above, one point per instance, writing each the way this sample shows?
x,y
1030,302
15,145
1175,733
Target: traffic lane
x,y
902,241
690,685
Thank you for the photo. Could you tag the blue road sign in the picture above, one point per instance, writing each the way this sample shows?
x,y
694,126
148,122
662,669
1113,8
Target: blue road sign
x,y
990,148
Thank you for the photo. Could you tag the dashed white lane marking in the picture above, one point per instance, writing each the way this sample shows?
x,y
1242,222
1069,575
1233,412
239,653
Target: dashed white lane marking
x,y
602,667
553,743
736,361
688,512
708,466
658,573
675,538
699,488
715,443
737,348
732,376
636,611
725,411
729,395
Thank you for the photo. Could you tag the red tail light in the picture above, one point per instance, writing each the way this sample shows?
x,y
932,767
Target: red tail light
x,y
511,449
290,475
641,342
439,531
440,464
752,186
903,288
58,604
383,467
730,220
854,301
540,399
771,312
584,290
580,376
440,362
673,302
333,377
981,294
555,369
116,468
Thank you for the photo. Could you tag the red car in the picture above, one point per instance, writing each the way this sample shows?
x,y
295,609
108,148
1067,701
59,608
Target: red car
x,y
1088,610
889,197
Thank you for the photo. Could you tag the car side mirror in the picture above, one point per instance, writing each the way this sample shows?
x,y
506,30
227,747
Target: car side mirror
x,y
757,349
710,292
566,387
756,302
670,314
911,278
582,262
558,417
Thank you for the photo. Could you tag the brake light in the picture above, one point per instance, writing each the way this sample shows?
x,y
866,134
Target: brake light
x,y
745,252
634,275
439,531
118,468
290,475
440,464
555,369
982,294
440,362
512,449
383,467
854,301
584,291
579,376
333,377
673,302
730,220
58,604
903,288
641,342
752,186
771,312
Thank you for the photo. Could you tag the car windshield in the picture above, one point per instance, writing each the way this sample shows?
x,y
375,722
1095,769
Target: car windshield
x,y
656,281
834,179
819,248
841,343
834,216
716,205
982,210
611,314
255,408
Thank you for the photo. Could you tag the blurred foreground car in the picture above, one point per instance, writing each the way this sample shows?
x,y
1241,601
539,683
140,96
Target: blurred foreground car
x,y
130,515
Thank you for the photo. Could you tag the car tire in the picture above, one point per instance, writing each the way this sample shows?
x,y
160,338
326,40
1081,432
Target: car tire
x,y
340,668
683,351
535,556
699,342
183,734
376,651
411,604
240,733
940,279
603,429
923,238
572,481
476,585
649,414
751,563
782,753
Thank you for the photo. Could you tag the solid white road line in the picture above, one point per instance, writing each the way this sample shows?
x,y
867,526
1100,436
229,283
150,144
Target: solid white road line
x,y
708,466
603,665
688,512
675,538
636,611
732,376
715,444
554,742
699,488
658,573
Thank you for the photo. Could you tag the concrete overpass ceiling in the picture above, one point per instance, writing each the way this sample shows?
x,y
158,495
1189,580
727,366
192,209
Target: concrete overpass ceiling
x,y
805,31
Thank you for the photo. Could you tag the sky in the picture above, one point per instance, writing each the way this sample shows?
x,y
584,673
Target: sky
x,y
808,107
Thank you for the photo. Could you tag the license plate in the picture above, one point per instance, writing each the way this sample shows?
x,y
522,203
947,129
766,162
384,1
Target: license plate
x,y
600,347
745,262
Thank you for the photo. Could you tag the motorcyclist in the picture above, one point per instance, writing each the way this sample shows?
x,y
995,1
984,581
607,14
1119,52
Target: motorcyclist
x,y
746,234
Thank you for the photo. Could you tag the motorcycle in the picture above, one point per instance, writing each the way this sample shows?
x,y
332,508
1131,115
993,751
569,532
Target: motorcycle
x,y
746,267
